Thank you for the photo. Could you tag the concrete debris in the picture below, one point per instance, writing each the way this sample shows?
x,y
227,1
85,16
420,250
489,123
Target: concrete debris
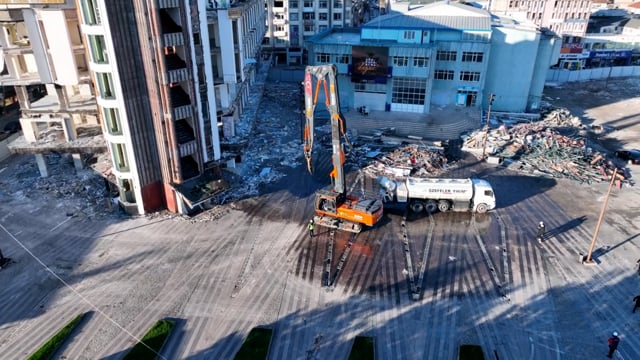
x,y
555,145
76,193
408,160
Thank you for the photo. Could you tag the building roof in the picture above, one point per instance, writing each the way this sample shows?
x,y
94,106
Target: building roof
x,y
633,23
598,22
439,15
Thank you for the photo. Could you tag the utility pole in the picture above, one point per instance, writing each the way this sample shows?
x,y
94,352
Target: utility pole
x,y
486,129
588,260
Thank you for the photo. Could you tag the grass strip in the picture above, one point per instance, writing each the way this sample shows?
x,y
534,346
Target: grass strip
x,y
362,348
153,339
256,345
471,352
49,348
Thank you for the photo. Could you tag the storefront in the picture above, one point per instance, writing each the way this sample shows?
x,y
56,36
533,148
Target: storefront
x,y
605,58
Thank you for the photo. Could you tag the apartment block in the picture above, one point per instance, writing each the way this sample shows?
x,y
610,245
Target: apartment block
x,y
163,81
294,21
166,74
564,17
41,45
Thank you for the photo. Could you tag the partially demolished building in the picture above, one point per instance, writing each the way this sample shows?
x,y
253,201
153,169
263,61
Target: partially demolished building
x,y
157,77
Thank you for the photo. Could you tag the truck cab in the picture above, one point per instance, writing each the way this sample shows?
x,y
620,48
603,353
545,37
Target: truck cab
x,y
483,197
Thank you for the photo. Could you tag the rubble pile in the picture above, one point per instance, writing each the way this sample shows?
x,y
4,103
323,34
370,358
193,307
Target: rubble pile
x,y
272,144
76,193
410,160
555,145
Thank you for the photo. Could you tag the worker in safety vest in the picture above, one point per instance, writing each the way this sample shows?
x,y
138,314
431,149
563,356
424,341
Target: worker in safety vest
x,y
312,226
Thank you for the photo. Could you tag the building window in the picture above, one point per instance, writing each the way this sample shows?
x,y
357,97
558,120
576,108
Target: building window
x,y
443,74
409,91
309,28
308,16
401,61
324,4
469,76
293,4
105,85
126,191
90,12
323,58
443,55
475,36
278,28
337,16
98,49
112,121
293,16
371,88
322,16
120,157
409,35
343,59
308,3
337,3
468,56
420,61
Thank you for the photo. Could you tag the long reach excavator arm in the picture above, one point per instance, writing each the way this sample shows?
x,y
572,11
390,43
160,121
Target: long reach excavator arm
x,y
334,208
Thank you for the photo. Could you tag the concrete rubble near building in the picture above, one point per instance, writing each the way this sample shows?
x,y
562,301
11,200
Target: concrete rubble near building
x,y
557,144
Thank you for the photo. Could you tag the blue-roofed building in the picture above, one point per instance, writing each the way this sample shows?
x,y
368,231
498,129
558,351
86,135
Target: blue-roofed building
x,y
440,54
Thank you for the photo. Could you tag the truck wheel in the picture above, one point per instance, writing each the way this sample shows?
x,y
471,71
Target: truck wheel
x,y
431,207
443,206
481,208
417,206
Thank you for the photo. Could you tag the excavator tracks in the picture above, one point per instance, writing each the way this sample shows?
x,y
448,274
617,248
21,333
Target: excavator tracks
x,y
329,278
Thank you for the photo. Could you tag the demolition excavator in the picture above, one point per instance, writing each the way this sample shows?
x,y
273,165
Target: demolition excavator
x,y
334,208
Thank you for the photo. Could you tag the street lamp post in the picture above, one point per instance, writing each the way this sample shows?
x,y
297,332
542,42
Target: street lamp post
x,y
588,260
486,129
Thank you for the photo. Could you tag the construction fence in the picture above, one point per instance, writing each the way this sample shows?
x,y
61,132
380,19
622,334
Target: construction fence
x,y
562,75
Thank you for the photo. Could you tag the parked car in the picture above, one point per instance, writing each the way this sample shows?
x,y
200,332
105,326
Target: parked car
x,y
630,156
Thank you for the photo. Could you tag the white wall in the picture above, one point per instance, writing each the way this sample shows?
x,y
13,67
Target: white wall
x,y
562,76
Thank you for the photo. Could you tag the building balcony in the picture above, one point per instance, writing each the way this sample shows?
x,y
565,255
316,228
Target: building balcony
x,y
168,4
17,50
182,112
180,103
189,148
22,79
173,39
279,21
176,69
176,76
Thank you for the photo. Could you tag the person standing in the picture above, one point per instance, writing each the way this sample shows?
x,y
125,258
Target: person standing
x,y
541,231
614,341
312,226
637,305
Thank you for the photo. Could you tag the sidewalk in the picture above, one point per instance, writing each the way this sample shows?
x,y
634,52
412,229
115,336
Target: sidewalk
x,y
441,124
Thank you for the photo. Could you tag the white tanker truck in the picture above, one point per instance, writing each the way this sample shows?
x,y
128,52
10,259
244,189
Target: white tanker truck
x,y
439,194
